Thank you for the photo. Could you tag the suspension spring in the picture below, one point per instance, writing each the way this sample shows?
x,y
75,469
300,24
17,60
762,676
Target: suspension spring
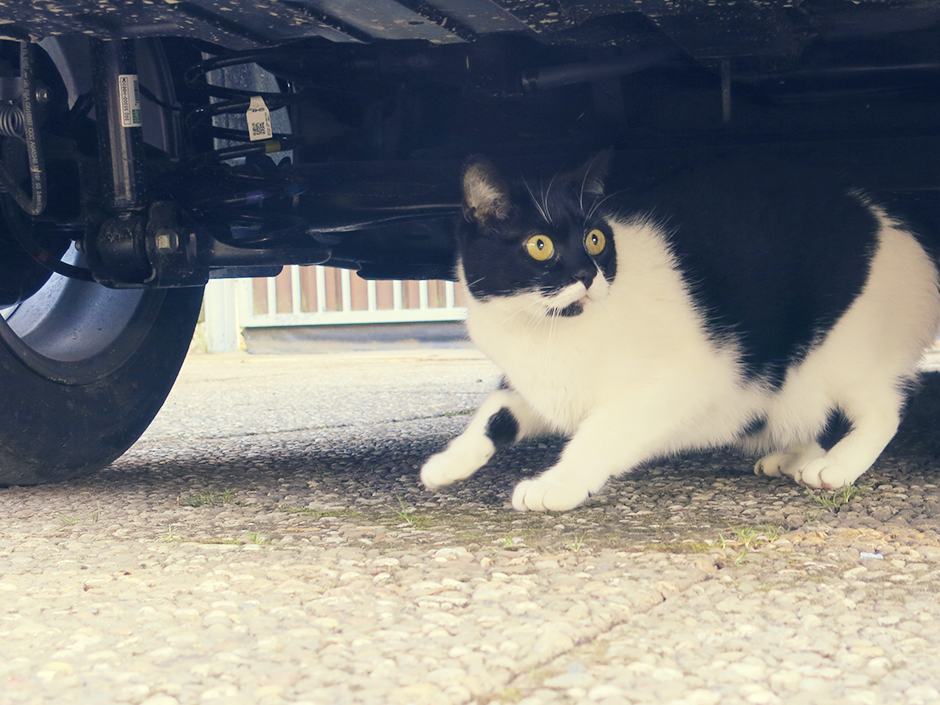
x,y
235,101
12,121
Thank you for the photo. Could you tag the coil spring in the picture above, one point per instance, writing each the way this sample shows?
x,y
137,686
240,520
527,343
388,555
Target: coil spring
x,y
235,101
12,121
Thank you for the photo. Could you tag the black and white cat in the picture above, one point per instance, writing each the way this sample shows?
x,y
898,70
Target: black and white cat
x,y
742,303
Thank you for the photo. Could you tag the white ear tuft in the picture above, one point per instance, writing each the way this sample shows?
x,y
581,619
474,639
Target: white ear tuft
x,y
485,192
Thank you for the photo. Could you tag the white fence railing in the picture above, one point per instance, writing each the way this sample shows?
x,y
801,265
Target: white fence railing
x,y
305,296
316,296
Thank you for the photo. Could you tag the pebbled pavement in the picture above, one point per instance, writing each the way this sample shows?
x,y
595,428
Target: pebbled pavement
x,y
267,541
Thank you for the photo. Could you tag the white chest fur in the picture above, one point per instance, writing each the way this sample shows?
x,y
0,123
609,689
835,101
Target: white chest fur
x,y
642,331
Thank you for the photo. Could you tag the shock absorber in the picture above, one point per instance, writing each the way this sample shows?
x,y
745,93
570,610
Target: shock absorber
x,y
120,138
119,251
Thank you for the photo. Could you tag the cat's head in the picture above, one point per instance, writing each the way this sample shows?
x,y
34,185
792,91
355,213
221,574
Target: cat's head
x,y
544,246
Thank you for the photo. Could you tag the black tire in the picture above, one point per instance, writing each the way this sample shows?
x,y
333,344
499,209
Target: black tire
x,y
84,369
64,419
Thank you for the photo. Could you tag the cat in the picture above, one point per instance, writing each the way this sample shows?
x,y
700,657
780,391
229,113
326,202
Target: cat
x,y
743,303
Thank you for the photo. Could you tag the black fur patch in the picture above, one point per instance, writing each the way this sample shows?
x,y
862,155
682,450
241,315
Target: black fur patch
x,y
754,427
838,426
774,254
502,428
571,310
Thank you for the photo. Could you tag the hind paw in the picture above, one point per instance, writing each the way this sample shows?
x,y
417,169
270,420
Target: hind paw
x,y
826,474
776,464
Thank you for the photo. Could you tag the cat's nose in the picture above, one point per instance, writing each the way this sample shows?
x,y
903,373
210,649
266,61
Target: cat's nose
x,y
585,276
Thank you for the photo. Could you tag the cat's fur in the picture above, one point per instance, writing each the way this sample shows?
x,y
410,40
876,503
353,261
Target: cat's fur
x,y
739,303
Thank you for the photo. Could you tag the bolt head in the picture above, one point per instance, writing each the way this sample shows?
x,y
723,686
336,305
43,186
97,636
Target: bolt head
x,y
166,241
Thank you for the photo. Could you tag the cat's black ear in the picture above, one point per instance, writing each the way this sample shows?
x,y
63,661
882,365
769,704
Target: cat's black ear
x,y
589,177
485,192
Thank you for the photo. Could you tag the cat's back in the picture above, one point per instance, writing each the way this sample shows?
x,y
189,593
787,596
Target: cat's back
x,y
773,253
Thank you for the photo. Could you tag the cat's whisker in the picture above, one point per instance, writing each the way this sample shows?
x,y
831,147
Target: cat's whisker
x,y
526,308
535,201
597,204
546,210
584,180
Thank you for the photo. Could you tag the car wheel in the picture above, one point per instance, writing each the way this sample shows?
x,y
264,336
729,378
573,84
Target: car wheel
x,y
83,368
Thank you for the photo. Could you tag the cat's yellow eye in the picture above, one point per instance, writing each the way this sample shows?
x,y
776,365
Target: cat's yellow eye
x,y
540,247
595,242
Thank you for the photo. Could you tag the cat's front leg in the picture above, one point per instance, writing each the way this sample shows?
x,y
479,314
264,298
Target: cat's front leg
x,y
503,419
606,444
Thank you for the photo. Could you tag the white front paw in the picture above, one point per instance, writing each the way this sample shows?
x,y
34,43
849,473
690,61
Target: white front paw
x,y
458,462
539,495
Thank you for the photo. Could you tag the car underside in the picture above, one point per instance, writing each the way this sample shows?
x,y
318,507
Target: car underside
x,y
148,147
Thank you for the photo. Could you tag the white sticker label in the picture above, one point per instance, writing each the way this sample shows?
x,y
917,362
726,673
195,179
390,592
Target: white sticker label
x,y
129,97
259,120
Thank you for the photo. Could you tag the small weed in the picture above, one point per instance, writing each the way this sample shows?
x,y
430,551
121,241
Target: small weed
x,y
414,521
97,515
207,499
834,500
576,545
510,543
67,520
683,547
257,538
452,414
170,537
201,499
748,539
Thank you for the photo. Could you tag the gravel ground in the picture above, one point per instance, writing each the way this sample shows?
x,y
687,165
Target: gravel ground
x,y
267,542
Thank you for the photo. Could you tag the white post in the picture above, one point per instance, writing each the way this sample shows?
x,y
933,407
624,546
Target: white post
x,y
346,289
449,294
221,316
423,294
295,301
396,295
321,289
272,295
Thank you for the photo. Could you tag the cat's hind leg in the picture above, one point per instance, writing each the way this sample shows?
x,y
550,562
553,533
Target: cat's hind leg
x,y
875,418
504,418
